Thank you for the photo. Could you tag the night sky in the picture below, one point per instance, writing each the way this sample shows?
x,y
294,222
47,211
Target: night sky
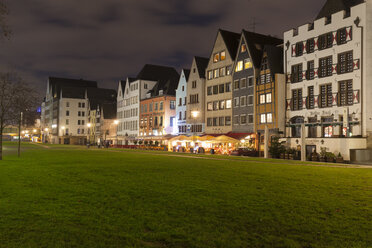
x,y
108,40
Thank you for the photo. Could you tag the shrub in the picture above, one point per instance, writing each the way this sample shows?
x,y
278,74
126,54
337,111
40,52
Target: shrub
x,y
276,147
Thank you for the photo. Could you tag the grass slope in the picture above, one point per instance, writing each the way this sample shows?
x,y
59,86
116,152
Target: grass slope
x,y
74,197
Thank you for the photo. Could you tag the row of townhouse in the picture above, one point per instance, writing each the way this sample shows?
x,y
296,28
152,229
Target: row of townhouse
x,y
311,88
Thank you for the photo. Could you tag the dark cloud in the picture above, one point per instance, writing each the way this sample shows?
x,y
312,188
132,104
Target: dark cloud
x,y
107,40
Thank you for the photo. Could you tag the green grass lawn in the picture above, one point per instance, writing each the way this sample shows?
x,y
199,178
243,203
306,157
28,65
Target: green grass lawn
x,y
74,197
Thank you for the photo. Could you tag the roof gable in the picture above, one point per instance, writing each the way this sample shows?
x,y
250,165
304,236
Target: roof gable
x,y
201,65
255,43
334,6
231,41
274,59
56,84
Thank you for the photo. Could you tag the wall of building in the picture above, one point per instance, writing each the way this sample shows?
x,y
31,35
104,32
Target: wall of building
x,y
69,124
148,115
219,46
356,42
130,108
181,105
246,110
199,108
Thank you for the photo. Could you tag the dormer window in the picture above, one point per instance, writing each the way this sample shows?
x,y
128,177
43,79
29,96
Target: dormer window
x,y
160,92
216,57
243,48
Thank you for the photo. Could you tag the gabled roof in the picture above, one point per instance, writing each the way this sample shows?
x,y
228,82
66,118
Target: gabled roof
x,y
275,59
169,88
124,82
157,72
231,40
108,110
98,96
334,6
201,65
72,92
187,74
167,78
255,43
56,84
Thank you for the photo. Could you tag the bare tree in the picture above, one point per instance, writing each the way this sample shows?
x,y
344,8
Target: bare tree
x,y
24,102
4,28
7,91
16,98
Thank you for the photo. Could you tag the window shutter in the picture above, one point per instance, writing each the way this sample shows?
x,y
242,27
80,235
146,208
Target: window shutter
x,y
338,37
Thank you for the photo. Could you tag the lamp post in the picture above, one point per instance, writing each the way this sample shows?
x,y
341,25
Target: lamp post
x,y
46,134
116,122
194,115
89,126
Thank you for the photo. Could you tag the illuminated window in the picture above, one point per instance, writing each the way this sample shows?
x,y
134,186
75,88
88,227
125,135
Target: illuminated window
x,y
216,57
216,73
236,102
210,106
222,71
263,118
268,98
239,66
328,131
223,55
222,105
243,48
269,118
262,99
228,104
210,74
247,64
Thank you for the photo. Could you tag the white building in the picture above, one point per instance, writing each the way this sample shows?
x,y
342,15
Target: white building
x,y
181,101
130,95
328,65
64,113
196,96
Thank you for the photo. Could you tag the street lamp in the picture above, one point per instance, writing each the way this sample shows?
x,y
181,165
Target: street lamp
x,y
194,114
89,125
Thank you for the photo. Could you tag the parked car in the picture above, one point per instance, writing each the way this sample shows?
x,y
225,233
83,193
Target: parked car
x,y
245,152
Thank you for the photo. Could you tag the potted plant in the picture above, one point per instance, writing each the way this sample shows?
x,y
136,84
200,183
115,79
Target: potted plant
x,y
330,157
156,143
323,152
135,142
339,158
